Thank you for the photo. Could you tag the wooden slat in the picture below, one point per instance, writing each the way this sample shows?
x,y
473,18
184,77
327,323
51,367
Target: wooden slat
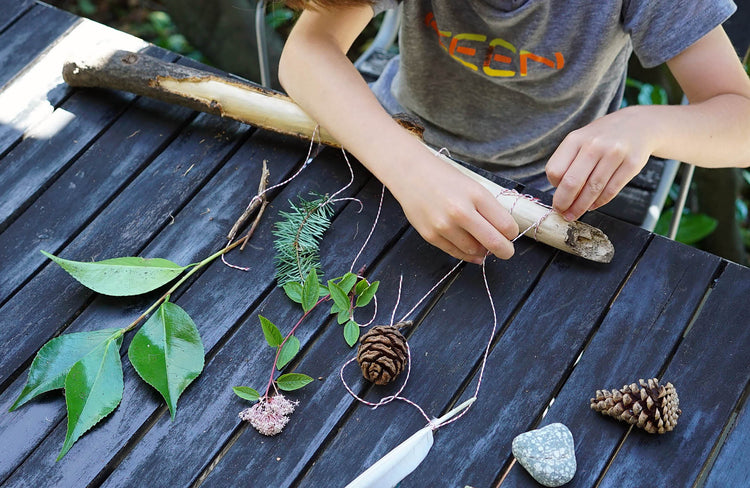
x,y
531,357
731,467
643,326
33,94
180,464
10,10
630,205
211,307
51,146
29,36
710,371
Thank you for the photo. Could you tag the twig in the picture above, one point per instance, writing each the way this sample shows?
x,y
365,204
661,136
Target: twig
x,y
257,200
250,233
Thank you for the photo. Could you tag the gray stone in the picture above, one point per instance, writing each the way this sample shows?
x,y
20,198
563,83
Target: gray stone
x,y
547,454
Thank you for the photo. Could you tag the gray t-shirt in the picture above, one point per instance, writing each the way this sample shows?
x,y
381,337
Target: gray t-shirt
x,y
500,83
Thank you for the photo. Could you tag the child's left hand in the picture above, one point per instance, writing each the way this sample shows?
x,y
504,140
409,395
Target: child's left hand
x,y
593,163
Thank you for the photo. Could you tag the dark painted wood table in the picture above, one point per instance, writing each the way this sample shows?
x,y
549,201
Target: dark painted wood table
x,y
91,174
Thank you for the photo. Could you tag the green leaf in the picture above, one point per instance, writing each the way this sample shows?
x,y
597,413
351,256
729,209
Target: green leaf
x,y
288,351
292,381
351,333
340,298
310,291
347,282
54,360
93,389
246,393
167,352
367,295
343,316
361,287
693,227
121,276
271,332
294,291
323,291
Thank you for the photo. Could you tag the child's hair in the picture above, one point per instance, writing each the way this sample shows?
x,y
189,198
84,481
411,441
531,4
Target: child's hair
x,y
324,4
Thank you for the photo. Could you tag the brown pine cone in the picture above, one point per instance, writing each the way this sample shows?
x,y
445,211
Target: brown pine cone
x,y
652,407
382,354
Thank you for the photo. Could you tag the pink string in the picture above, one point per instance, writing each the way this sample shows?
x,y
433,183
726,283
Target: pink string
x,y
372,229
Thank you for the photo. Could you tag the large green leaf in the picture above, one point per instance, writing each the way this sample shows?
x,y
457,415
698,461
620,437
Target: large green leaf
x,y
121,276
351,333
54,360
93,389
246,393
692,228
167,352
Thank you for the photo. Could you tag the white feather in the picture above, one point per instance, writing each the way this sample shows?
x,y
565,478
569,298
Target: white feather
x,y
404,458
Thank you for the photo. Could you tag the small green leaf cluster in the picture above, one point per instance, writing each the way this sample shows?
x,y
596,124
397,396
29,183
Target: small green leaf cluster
x,y
286,349
347,292
167,351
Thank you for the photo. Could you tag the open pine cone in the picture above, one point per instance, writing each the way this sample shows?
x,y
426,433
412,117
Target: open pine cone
x,y
382,354
652,407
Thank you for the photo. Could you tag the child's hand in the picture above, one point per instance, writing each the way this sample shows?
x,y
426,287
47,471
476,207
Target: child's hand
x,y
453,212
595,162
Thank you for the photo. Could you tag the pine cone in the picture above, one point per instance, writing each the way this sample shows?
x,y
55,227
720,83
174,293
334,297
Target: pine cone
x,y
382,354
652,407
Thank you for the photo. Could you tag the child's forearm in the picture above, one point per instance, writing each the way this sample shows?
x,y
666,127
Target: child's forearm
x,y
714,133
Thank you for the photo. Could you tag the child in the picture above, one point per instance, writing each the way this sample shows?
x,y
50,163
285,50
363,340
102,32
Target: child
x,y
521,86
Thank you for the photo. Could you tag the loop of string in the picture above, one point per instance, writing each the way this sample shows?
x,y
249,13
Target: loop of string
x,y
518,196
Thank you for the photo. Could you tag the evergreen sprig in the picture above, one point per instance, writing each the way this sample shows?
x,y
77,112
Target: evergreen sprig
x,y
298,234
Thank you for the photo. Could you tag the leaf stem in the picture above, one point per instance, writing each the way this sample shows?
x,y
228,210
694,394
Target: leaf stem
x,y
290,334
174,287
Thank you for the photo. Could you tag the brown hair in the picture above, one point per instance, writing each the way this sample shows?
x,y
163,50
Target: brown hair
x,y
325,4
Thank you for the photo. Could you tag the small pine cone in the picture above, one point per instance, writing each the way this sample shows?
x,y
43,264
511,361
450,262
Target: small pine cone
x,y
652,407
382,354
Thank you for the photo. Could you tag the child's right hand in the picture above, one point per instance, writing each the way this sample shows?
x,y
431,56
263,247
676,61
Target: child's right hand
x,y
453,212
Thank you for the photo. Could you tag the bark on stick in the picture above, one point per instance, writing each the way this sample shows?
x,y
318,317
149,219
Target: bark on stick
x,y
251,104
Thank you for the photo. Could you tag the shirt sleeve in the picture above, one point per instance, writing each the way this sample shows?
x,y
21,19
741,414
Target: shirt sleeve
x,y
382,5
661,29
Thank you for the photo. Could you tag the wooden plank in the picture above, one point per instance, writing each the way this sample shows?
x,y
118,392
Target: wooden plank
x,y
643,326
29,36
10,10
731,467
123,228
323,406
209,304
33,94
75,198
155,457
50,147
528,361
650,176
211,213
710,371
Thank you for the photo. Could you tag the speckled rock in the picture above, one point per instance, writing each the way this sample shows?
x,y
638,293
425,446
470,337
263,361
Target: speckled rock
x,y
547,454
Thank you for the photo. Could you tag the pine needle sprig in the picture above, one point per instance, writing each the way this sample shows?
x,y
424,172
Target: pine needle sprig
x,y
298,234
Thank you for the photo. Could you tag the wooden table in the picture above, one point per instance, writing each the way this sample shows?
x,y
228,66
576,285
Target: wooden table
x,y
88,174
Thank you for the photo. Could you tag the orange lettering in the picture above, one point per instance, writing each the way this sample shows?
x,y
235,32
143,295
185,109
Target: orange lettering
x,y
526,55
430,21
492,56
466,51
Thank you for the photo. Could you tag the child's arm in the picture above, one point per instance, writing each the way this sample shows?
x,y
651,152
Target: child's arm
x,y
595,162
448,209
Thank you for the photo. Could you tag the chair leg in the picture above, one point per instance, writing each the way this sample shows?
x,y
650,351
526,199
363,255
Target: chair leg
x,y
679,205
260,37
